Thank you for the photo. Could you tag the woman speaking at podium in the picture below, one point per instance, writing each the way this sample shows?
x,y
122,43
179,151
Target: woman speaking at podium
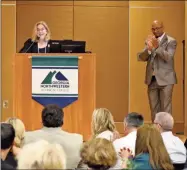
x,y
40,39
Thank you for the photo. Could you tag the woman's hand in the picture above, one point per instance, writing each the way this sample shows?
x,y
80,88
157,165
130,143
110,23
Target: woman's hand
x,y
125,153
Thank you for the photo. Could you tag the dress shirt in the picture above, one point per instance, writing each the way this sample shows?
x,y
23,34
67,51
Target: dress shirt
x,y
175,147
128,141
159,40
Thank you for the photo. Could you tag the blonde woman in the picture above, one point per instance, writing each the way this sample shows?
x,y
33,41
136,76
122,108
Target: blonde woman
x,y
42,155
103,124
150,151
98,154
40,39
18,140
19,128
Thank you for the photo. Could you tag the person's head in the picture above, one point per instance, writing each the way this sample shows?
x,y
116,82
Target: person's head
x,y
7,136
98,153
164,121
19,128
157,28
102,120
132,121
149,140
46,156
52,116
41,31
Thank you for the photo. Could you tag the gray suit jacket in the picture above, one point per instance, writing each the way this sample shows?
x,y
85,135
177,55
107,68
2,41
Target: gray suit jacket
x,y
70,142
161,60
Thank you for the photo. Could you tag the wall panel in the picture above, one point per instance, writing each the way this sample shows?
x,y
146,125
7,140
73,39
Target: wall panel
x,y
105,30
101,3
8,47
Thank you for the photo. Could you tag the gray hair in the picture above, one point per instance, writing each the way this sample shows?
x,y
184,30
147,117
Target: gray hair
x,y
165,120
134,119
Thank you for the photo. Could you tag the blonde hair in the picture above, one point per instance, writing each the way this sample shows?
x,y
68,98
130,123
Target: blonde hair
x,y
98,153
42,155
34,34
149,140
102,120
19,128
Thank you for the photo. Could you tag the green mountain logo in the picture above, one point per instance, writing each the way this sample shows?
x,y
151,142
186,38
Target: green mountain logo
x,y
59,77
48,78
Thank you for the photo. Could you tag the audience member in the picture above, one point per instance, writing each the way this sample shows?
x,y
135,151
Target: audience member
x,y
175,147
18,140
98,154
103,124
7,139
42,155
150,152
131,122
52,119
19,128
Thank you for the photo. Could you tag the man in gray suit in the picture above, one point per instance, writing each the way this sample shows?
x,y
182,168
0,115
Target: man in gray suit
x,y
160,74
52,119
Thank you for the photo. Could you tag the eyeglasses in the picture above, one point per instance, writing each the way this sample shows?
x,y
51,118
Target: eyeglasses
x,y
156,29
157,124
42,29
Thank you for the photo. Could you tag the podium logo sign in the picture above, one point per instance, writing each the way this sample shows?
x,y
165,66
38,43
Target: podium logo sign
x,y
55,80
58,83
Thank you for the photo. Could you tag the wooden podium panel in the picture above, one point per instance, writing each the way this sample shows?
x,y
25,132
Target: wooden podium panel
x,y
77,116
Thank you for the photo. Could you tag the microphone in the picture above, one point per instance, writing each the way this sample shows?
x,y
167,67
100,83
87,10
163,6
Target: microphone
x,y
29,47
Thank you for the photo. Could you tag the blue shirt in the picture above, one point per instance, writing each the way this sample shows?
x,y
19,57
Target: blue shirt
x,y
141,162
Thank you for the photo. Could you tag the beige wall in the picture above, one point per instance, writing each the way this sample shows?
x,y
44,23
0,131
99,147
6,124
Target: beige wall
x,y
104,26
8,50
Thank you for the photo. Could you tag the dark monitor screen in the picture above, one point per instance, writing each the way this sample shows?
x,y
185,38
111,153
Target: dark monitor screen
x,y
55,46
69,46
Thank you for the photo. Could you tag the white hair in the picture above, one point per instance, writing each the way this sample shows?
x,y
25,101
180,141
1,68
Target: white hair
x,y
42,155
165,120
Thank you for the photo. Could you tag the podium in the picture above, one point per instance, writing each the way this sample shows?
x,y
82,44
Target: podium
x,y
77,116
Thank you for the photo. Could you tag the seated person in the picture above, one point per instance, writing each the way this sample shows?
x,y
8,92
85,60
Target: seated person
x,y
40,39
52,120
103,124
175,147
42,155
19,128
150,151
131,123
7,139
98,154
